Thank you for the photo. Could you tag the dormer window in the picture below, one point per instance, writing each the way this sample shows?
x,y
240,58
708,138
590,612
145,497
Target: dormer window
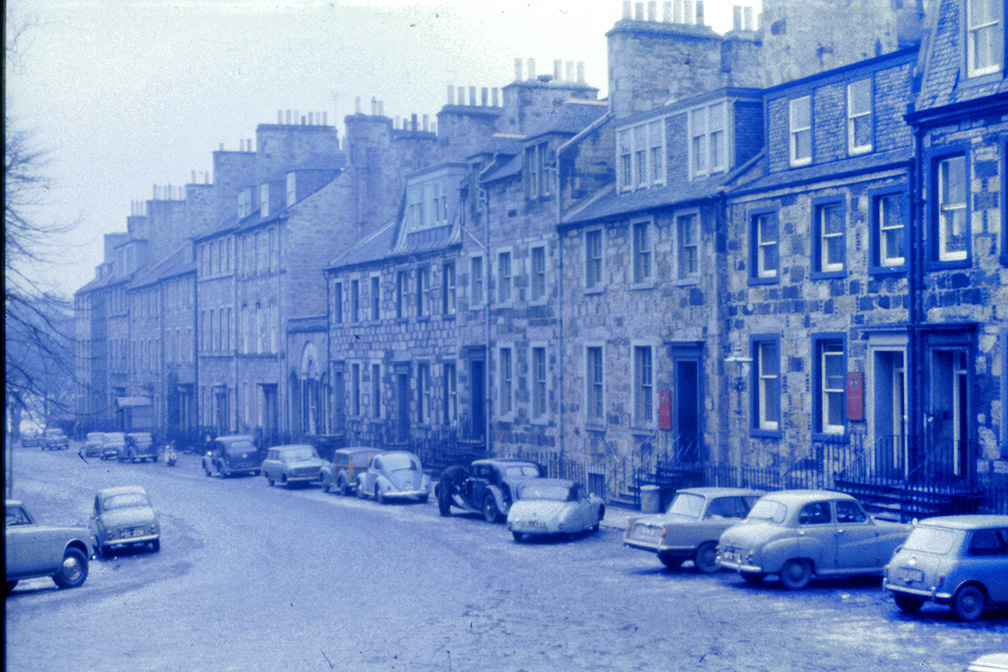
x,y
291,191
244,203
708,148
537,158
801,131
984,37
264,201
640,151
859,117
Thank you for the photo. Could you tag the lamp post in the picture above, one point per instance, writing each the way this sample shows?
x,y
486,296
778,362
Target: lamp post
x,y
738,383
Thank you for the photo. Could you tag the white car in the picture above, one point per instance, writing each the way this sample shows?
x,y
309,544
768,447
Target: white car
x,y
553,506
394,475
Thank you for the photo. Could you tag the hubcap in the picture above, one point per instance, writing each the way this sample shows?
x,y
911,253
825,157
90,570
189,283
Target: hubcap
x,y
71,568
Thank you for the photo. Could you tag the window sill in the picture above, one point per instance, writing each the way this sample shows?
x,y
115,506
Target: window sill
x,y
448,316
859,151
887,270
830,436
538,302
981,80
598,289
643,285
401,320
933,265
595,426
423,318
758,433
687,282
643,430
764,281
801,163
541,422
828,275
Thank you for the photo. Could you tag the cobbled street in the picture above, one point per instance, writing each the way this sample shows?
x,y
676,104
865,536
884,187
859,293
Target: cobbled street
x,y
257,578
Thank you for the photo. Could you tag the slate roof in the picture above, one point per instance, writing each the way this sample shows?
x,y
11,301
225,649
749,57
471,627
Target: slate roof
x,y
97,283
509,168
501,144
316,162
611,204
176,263
372,248
829,170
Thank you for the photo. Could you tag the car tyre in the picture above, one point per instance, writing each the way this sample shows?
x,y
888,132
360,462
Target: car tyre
x,y
518,536
206,470
490,512
705,558
155,545
910,604
74,569
670,562
796,574
269,481
968,603
379,495
753,578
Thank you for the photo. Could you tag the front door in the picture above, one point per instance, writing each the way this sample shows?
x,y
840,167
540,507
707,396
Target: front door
x,y
948,415
477,396
686,359
889,413
339,399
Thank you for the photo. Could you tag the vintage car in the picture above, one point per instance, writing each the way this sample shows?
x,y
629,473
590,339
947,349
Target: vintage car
x,y
486,487
394,475
34,550
94,444
123,517
292,464
55,439
140,447
553,506
115,445
232,455
796,534
961,561
31,439
347,463
692,525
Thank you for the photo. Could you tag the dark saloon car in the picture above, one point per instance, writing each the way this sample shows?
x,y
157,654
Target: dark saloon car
x,y
140,447
347,463
55,439
232,455
115,445
487,487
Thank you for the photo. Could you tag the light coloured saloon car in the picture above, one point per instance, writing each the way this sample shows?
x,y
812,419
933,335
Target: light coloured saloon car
x,y
553,506
396,474
961,561
33,550
692,525
292,464
123,517
798,534
114,446
94,444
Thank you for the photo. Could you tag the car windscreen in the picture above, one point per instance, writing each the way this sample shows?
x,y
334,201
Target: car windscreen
x,y
521,471
687,504
768,510
549,491
115,437
239,447
95,437
400,462
125,501
300,453
930,539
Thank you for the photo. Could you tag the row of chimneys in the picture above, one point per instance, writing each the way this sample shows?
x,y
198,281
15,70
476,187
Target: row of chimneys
x,y
558,70
488,97
690,12
313,118
413,122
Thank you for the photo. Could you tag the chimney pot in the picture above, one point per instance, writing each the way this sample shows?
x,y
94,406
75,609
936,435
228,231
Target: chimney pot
x,y
413,122
736,17
678,15
748,18
569,66
557,68
688,14
279,116
311,118
426,123
433,127
193,178
494,92
639,11
699,13
472,95
222,146
652,10
357,105
530,67
581,72
395,122
297,115
381,108
518,71
288,117
627,13
325,118
484,96
451,94
666,10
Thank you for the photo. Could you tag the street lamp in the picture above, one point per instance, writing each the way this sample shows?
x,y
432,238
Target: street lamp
x,y
738,383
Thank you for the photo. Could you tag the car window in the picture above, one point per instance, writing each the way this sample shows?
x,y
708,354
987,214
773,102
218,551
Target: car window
x,y
930,539
722,507
17,516
815,513
550,491
850,512
687,504
359,460
987,542
299,453
769,510
520,471
398,462
748,502
125,501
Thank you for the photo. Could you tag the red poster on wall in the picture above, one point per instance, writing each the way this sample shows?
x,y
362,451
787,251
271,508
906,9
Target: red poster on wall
x,y
855,396
665,409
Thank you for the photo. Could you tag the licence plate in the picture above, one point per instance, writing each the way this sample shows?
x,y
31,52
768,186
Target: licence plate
x,y
647,533
912,575
730,556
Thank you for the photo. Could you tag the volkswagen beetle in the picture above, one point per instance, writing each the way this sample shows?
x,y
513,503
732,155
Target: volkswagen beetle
x,y
123,517
553,506
394,475
34,550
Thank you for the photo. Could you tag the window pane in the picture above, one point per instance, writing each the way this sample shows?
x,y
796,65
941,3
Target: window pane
x,y
801,113
803,145
859,97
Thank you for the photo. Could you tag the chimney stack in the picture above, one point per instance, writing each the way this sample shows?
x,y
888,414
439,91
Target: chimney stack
x,y
484,96
530,66
639,11
311,118
699,13
518,70
381,108
494,91
627,13
357,105
580,72
451,94
736,17
748,14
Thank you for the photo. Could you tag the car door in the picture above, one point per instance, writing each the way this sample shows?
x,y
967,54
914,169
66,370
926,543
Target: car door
x,y
30,546
478,480
371,475
857,539
721,513
817,534
986,560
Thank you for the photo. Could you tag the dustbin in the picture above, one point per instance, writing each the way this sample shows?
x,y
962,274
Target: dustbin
x,y
650,499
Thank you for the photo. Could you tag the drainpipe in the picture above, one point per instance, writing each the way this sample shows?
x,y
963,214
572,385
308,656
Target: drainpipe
x,y
484,197
914,364
560,297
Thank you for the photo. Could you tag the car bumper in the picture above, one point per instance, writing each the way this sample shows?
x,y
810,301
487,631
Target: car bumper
x,y
130,541
741,566
405,494
933,595
306,478
533,527
641,545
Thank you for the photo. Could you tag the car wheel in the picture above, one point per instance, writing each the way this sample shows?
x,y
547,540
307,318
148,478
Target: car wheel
x,y
283,480
911,604
518,536
269,481
343,488
74,569
206,470
379,495
968,603
490,512
796,574
156,545
753,578
671,562
705,558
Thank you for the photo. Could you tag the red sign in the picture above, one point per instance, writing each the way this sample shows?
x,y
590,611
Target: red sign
x,y
855,396
665,409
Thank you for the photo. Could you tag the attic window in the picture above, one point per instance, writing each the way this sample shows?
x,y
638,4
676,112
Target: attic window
x,y
291,191
640,151
244,203
984,37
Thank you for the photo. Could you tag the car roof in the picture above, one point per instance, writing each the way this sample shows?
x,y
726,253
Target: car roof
x,y
550,481
966,522
292,445
798,496
121,490
11,503
714,491
235,437
390,453
504,461
357,449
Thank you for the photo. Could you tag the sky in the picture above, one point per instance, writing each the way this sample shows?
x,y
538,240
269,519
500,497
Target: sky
x,y
126,95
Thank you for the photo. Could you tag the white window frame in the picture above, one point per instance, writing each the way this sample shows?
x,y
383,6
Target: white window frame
x,y
794,131
946,212
537,297
291,189
377,409
356,407
762,271
825,265
644,409
505,382
682,276
765,380
424,393
337,302
642,256
505,282
829,349
973,30
450,391
354,300
636,154
374,297
402,293
264,209
539,389
600,282
591,383
449,285
854,115
477,302
886,259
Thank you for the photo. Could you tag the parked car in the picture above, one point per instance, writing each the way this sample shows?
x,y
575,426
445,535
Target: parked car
x,y
961,561
798,534
55,439
31,439
553,506
394,475
347,463
486,487
115,445
34,550
124,517
94,444
692,525
292,464
139,448
231,455
989,662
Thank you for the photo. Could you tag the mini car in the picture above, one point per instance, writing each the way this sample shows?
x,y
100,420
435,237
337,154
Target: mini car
x,y
486,487
292,464
961,561
341,474
394,475
232,455
115,445
796,534
123,517
692,525
55,439
94,444
139,448
553,506
34,550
